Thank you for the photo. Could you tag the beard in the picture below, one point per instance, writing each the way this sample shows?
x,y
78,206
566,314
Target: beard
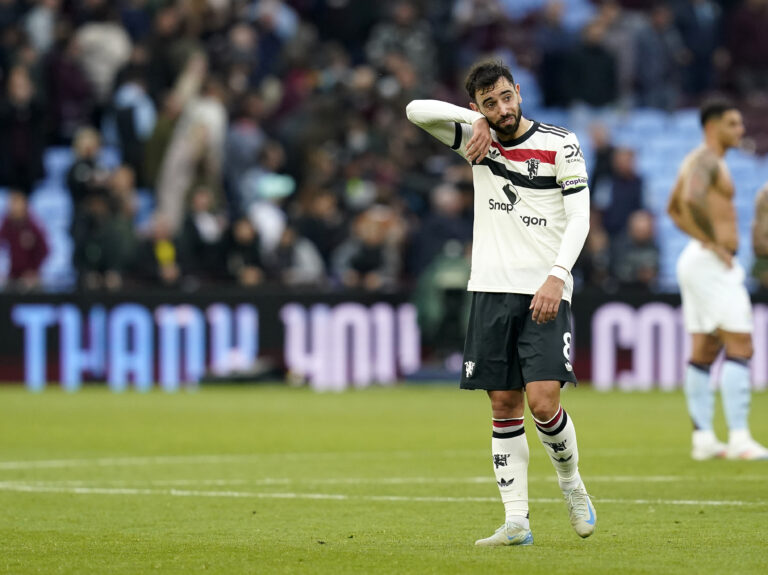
x,y
507,131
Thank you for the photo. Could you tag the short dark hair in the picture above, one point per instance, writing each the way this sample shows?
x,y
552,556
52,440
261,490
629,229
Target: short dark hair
x,y
714,108
485,74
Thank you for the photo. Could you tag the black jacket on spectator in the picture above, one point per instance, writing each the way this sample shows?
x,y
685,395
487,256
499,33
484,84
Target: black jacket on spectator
x,y
22,141
198,256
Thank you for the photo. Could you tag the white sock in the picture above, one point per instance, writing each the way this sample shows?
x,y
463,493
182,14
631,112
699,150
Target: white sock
x,y
558,437
510,465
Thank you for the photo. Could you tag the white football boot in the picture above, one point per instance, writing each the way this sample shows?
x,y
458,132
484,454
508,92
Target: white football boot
x,y
581,510
508,534
706,446
742,446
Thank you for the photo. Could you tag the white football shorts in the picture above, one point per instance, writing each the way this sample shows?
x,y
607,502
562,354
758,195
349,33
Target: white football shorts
x,y
714,295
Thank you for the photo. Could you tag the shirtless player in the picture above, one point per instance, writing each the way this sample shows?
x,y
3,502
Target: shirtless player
x,y
717,311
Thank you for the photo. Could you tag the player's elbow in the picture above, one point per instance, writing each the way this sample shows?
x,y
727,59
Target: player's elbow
x,y
411,110
414,111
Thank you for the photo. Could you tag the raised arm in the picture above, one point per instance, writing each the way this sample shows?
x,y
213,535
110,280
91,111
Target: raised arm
x,y
464,130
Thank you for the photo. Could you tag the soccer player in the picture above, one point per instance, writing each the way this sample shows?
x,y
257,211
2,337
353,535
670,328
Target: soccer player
x,y
531,219
716,308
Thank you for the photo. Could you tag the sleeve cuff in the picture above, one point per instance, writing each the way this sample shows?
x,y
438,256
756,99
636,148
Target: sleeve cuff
x,y
559,272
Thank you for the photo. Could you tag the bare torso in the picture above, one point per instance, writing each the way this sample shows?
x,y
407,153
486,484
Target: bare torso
x,y
705,186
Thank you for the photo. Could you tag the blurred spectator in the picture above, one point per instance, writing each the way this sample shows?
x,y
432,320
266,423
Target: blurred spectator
x,y
104,46
699,24
244,142
445,222
136,16
10,11
661,55
369,259
22,132
591,76
442,300
747,43
157,257
296,261
407,34
243,251
478,29
71,97
626,192
157,145
124,199
346,21
201,237
593,267
553,44
171,50
602,166
39,24
323,223
135,116
25,241
197,143
620,39
262,192
277,23
636,254
99,254
86,176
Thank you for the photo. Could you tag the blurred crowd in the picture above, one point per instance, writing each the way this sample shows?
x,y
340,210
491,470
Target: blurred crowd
x,y
272,139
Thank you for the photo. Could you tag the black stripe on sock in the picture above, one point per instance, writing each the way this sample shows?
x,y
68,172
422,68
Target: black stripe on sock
x,y
700,366
740,360
498,435
559,427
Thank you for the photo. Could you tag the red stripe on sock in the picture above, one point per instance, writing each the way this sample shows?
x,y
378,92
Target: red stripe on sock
x,y
554,421
507,422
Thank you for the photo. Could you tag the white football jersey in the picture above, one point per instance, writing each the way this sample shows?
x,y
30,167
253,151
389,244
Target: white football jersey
x,y
519,211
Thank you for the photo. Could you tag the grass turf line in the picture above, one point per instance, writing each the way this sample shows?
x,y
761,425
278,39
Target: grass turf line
x,y
381,449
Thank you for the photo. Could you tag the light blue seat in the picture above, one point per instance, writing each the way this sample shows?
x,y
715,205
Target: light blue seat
x,y
51,205
56,162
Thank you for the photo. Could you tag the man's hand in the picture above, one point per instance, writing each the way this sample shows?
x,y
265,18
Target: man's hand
x,y
480,142
546,301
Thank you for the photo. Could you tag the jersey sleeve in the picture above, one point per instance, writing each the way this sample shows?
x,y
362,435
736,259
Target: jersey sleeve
x,y
452,125
570,168
462,134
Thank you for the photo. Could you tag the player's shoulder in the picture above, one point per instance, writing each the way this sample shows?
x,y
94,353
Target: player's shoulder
x,y
702,158
556,138
554,131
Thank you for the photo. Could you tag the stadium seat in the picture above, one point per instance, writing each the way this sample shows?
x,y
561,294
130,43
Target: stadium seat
x,y
52,206
57,161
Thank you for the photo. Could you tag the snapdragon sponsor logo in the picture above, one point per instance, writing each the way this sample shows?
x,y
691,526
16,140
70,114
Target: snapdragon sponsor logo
x,y
495,206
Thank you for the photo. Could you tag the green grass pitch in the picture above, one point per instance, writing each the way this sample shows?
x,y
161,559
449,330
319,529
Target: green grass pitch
x,y
390,480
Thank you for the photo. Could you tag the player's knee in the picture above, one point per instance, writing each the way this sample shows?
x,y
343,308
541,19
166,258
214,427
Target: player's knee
x,y
505,406
739,347
543,408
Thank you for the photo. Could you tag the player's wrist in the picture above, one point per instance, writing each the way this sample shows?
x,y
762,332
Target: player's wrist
x,y
560,273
